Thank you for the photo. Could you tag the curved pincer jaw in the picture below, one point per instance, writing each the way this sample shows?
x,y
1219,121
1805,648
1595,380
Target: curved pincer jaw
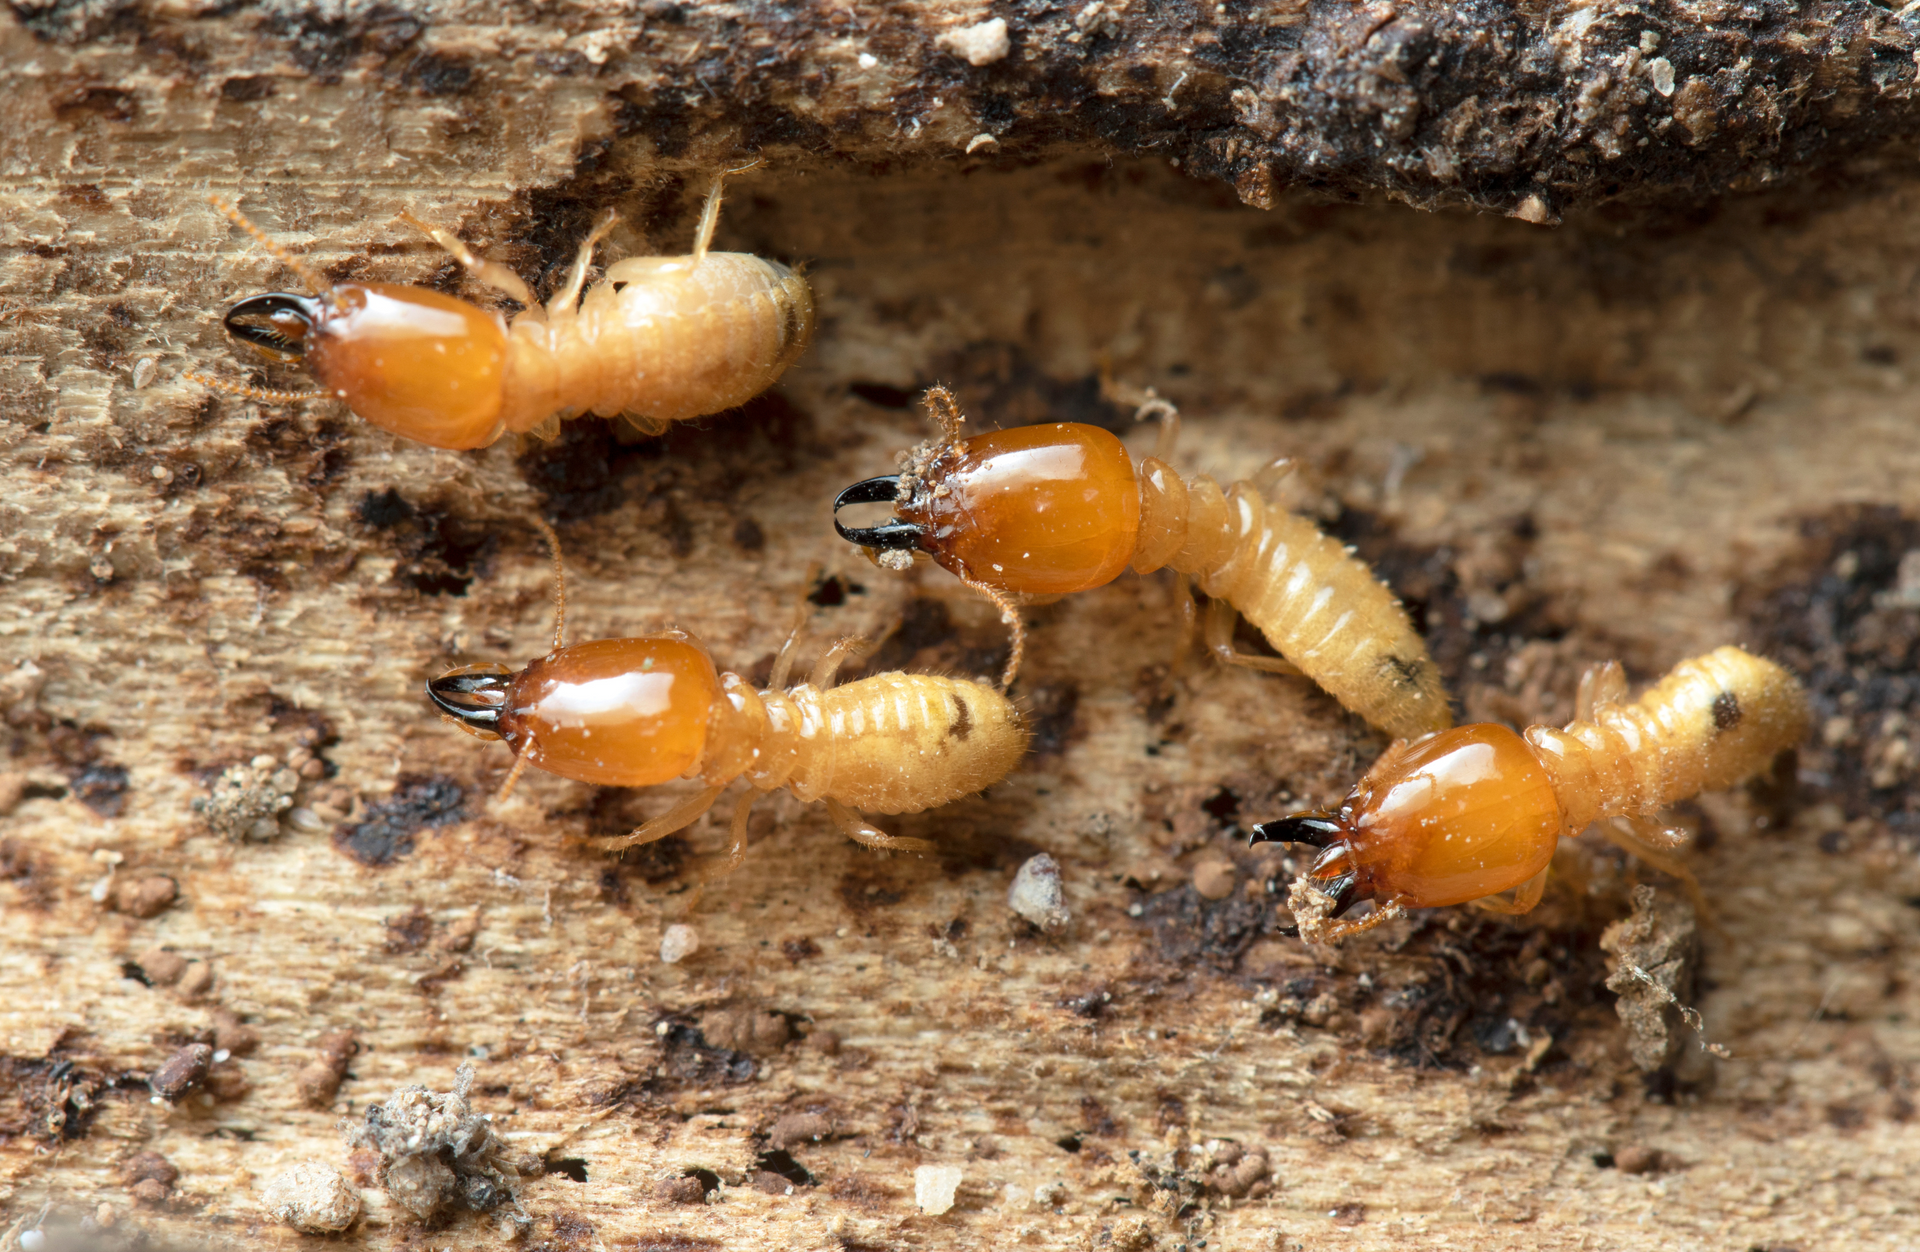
x,y
275,325
892,536
472,697
1317,828
1332,873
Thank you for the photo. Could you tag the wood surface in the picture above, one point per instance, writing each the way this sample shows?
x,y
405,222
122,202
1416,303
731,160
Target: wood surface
x,y
1684,416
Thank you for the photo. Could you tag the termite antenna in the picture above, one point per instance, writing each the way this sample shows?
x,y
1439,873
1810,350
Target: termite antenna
x,y
1147,404
251,393
513,779
945,410
1010,615
315,284
545,527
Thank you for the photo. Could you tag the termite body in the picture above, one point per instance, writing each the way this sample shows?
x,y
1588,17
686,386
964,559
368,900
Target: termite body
x,y
658,339
1059,507
1471,812
643,711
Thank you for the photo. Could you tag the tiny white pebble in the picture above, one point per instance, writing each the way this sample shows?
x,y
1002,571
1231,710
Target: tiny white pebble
x,y
678,943
1037,895
933,1187
32,1241
312,1197
100,889
867,60
982,43
306,819
222,1055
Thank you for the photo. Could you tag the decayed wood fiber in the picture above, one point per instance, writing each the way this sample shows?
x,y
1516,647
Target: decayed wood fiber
x,y
1525,108
1640,435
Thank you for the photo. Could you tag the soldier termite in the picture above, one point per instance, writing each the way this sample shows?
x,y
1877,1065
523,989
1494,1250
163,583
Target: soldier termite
x,y
639,712
1468,813
658,339
1059,507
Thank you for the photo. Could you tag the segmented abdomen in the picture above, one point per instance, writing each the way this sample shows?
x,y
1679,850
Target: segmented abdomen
x,y
901,743
1713,721
1319,606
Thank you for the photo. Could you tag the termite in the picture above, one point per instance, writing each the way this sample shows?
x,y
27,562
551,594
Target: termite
x,y
640,712
1058,507
658,339
1469,813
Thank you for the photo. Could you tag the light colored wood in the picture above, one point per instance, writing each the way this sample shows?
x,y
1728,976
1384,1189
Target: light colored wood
x,y
1736,378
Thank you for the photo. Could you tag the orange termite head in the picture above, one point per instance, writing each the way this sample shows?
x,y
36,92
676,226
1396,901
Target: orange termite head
x,y
1443,819
425,366
614,712
1041,510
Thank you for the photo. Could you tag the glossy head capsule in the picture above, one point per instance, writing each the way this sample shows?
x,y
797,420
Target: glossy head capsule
x,y
1040,510
1459,815
425,366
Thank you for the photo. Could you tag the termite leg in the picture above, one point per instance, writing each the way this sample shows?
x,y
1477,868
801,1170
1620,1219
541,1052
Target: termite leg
x,y
827,668
1600,686
568,297
1273,473
1525,897
736,850
1155,407
709,221
492,273
710,215
1184,608
679,817
1651,842
1220,620
858,829
737,835
783,661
